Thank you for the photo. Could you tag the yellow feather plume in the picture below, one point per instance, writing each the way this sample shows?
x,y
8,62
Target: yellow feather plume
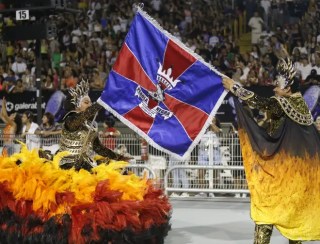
x,y
39,180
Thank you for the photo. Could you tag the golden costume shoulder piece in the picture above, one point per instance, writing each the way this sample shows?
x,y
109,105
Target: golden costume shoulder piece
x,y
296,108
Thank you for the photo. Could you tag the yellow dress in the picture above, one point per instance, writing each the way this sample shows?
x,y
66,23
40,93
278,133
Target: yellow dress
x,y
282,165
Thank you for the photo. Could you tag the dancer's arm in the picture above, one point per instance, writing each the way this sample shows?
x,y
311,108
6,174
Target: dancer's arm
x,y
76,120
252,99
100,149
4,114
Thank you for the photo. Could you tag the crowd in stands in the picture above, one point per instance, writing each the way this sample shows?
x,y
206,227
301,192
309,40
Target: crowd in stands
x,y
87,43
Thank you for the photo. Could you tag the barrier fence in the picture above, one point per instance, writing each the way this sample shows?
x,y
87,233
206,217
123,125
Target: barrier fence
x,y
214,168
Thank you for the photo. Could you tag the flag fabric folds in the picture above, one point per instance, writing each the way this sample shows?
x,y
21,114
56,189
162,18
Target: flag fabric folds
x,y
161,89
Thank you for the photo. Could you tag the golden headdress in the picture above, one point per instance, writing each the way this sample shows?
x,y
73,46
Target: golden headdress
x,y
286,73
80,91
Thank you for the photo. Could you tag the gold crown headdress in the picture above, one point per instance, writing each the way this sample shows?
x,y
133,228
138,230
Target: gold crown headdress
x,y
286,73
80,91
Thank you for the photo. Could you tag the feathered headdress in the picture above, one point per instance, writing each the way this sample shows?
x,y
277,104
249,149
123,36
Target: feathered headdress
x,y
286,73
80,91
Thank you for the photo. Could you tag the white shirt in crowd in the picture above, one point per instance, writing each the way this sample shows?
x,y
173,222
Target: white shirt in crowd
x,y
304,69
19,67
245,71
302,50
96,39
256,24
213,40
32,140
95,5
266,5
76,32
75,39
123,24
66,39
156,4
116,27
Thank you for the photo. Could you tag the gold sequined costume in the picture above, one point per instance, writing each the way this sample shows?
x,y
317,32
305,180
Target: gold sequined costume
x,y
277,107
80,139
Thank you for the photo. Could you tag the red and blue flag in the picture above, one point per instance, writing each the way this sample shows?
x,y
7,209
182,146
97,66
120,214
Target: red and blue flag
x,y
162,90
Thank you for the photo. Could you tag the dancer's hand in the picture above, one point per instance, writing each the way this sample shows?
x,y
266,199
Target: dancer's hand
x,y
124,158
227,83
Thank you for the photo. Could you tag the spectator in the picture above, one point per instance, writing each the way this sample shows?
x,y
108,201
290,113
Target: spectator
x,y
245,70
2,83
10,82
10,50
156,5
256,24
28,131
304,67
56,58
266,4
28,80
19,87
66,40
110,133
96,81
237,74
179,175
47,83
317,64
214,39
209,153
301,48
69,80
96,39
252,78
19,66
48,131
266,72
116,26
11,77
123,22
44,51
12,129
313,78
55,77
235,153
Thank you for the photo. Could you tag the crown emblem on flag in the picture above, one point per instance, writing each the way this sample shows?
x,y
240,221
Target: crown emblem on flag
x,y
164,77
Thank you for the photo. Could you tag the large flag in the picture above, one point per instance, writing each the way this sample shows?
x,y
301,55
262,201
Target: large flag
x,y
161,89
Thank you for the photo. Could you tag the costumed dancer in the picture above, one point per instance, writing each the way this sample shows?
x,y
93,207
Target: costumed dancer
x,y
71,200
281,160
80,132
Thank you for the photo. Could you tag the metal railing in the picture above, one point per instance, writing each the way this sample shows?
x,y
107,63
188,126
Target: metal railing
x,y
214,166
223,183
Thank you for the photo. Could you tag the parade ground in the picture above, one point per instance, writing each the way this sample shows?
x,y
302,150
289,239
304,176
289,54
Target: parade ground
x,y
215,221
